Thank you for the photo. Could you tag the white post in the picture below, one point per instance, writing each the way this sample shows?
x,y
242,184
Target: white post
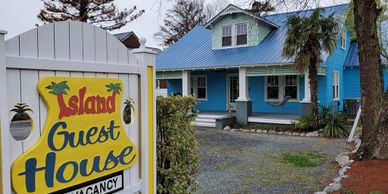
x,y
146,61
243,85
307,89
186,83
5,186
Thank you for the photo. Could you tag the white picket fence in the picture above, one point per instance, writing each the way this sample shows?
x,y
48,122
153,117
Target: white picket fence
x,y
74,49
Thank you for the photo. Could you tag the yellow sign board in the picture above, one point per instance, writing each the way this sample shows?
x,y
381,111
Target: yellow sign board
x,y
83,138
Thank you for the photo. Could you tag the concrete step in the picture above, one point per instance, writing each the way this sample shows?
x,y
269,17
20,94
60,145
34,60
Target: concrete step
x,y
205,120
210,116
201,124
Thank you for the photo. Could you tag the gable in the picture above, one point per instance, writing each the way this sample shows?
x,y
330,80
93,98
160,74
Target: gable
x,y
257,30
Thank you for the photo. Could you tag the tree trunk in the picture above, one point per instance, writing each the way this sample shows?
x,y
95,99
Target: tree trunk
x,y
83,10
366,14
313,76
381,150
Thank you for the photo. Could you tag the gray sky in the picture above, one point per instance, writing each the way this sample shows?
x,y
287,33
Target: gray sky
x,y
18,16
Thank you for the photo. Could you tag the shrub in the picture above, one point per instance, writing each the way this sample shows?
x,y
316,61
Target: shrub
x,y
305,123
177,148
335,125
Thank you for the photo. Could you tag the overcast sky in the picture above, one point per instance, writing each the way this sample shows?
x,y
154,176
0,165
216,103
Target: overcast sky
x,y
18,16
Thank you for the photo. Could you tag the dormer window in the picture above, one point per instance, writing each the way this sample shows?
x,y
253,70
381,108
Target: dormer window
x,y
242,34
226,36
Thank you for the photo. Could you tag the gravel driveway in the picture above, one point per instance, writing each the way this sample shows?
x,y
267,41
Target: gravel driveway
x,y
237,162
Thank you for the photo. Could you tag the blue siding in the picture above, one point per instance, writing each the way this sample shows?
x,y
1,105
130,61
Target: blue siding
x,y
352,84
333,63
174,86
216,91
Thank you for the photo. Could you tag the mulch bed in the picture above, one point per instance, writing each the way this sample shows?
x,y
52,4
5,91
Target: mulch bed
x,y
367,176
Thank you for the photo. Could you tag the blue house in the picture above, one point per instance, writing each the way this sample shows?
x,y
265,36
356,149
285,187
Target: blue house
x,y
235,62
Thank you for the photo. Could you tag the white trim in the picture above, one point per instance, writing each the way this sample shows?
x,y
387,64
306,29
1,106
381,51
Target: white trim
x,y
343,38
307,88
186,83
243,85
234,9
335,83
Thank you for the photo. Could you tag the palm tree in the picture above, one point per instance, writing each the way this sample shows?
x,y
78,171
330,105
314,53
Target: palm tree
x,y
307,38
21,110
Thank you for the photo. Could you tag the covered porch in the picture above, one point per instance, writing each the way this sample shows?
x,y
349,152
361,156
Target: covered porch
x,y
251,94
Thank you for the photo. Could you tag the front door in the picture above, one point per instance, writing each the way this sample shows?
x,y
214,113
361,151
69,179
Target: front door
x,y
232,91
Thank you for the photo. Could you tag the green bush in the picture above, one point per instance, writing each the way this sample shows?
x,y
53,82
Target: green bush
x,y
177,148
305,123
335,125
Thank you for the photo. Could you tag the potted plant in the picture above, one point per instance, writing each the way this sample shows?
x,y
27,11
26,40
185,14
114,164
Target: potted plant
x,y
21,123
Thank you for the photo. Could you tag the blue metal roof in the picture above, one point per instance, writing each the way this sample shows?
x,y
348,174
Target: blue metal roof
x,y
194,50
352,57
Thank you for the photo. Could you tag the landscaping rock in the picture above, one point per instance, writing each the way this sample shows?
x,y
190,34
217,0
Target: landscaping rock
x,y
233,130
253,130
244,130
342,171
312,134
265,131
342,160
259,131
272,132
338,179
280,132
302,134
333,187
227,128
295,133
322,192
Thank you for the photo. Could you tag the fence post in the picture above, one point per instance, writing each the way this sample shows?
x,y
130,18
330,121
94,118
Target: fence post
x,y
5,186
146,63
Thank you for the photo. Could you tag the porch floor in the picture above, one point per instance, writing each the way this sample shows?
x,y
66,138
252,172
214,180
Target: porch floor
x,y
273,118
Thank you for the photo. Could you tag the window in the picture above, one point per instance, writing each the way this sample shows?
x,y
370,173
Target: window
x,y
291,87
199,87
226,36
278,87
242,34
273,88
335,85
343,38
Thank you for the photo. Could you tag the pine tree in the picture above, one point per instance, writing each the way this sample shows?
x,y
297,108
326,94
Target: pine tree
x,y
102,13
180,19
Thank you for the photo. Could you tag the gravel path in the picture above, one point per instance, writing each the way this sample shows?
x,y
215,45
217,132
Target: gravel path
x,y
237,162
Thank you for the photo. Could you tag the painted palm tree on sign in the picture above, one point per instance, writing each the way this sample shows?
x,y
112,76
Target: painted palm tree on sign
x,y
59,89
115,88
307,38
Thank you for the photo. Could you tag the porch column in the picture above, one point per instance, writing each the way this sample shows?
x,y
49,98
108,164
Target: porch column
x,y
306,102
186,83
243,103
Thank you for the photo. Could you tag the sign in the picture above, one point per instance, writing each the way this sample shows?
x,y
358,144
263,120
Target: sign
x,y
82,141
104,185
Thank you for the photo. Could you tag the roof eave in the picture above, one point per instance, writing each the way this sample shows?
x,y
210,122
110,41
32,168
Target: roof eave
x,y
238,10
